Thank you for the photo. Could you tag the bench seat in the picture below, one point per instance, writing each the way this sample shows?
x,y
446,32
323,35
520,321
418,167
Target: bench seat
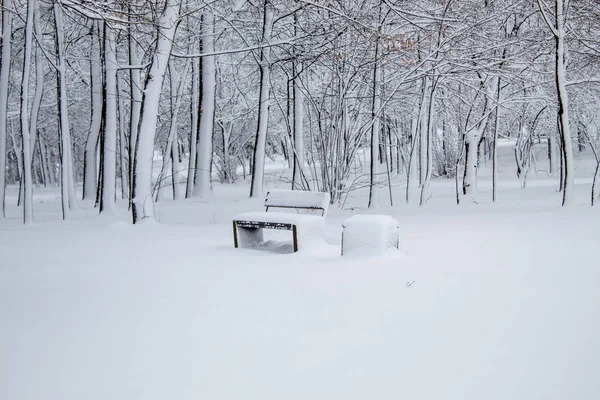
x,y
248,227
283,217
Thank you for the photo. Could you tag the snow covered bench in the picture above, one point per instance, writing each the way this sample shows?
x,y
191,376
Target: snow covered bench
x,y
309,218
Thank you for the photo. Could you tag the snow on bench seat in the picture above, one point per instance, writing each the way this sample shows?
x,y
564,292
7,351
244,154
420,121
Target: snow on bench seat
x,y
248,227
298,199
370,234
283,217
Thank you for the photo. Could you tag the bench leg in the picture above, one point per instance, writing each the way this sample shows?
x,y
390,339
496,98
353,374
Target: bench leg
x,y
295,238
235,238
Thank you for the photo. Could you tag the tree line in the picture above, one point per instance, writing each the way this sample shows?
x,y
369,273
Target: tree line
x,y
150,99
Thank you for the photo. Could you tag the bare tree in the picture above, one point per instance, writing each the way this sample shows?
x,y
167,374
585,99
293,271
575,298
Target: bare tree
x,y
558,29
142,202
4,82
264,66
204,155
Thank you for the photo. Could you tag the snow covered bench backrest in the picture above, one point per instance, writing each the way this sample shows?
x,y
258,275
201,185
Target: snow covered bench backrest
x,y
298,199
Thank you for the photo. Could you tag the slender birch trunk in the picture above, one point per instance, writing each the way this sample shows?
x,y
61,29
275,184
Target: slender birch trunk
x,y
298,118
39,84
142,204
191,178
473,137
428,157
90,160
123,159
423,138
298,147
375,128
563,104
258,159
559,31
68,198
177,87
413,164
495,142
203,186
4,75
472,140
26,177
136,106
109,135
175,167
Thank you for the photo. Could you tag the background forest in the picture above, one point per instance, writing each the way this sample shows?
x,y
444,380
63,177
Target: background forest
x,y
117,114
153,100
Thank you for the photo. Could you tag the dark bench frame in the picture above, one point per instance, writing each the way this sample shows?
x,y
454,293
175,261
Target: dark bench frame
x,y
255,225
282,226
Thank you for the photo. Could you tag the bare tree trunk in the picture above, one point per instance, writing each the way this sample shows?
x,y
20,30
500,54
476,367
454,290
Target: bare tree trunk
x,y
68,198
109,136
90,161
559,31
428,159
175,167
24,114
203,187
258,159
473,137
298,147
563,104
136,106
413,164
4,75
39,84
495,142
177,86
47,169
142,205
298,117
123,161
191,178
594,182
375,128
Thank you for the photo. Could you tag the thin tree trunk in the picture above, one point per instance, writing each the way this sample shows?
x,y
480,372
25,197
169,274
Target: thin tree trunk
x,y
298,147
298,117
4,75
109,136
375,128
68,198
136,106
428,159
473,137
39,84
90,161
123,162
48,172
42,161
258,159
177,87
191,178
142,205
495,142
563,104
175,167
203,187
27,184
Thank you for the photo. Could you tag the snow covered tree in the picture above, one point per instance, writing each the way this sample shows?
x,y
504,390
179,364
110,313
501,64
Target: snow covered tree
x,y
5,64
142,202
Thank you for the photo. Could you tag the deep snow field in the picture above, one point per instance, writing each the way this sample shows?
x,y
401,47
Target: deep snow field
x,y
484,301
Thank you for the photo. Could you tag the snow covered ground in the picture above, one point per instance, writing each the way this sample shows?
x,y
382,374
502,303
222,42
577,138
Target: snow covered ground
x,y
484,301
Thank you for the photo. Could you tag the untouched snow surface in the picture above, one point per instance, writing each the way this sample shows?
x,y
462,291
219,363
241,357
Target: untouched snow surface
x,y
483,302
